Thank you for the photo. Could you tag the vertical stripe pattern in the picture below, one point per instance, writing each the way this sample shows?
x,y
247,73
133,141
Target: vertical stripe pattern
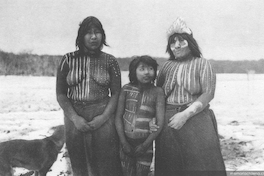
x,y
90,78
183,82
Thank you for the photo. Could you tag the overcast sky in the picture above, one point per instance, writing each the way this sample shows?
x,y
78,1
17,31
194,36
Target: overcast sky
x,y
224,29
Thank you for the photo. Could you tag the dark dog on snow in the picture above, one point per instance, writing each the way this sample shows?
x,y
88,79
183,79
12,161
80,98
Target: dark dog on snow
x,y
37,155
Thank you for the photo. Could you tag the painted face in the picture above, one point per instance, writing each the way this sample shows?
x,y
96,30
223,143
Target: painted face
x,y
179,47
145,73
93,39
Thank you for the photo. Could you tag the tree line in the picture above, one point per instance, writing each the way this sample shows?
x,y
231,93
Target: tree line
x,y
46,65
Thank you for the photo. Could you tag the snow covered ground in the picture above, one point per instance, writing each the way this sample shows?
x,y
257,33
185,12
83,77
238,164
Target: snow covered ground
x,y
28,109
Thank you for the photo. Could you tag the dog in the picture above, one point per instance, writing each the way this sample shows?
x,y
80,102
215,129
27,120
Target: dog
x,y
37,155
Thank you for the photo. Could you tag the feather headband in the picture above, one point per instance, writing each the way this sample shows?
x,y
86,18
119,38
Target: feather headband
x,y
178,26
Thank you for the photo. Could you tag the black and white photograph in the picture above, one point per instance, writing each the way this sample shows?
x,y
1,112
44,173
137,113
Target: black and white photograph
x,y
131,87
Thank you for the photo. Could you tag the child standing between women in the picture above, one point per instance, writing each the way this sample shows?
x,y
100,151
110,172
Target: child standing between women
x,y
139,102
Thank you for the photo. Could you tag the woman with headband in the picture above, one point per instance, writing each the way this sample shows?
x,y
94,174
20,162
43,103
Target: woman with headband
x,y
189,140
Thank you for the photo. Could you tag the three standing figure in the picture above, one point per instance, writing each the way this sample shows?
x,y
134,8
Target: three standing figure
x,y
88,87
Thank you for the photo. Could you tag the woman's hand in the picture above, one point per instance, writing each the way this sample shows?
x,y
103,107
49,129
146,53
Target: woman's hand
x,y
97,122
81,124
141,149
127,149
178,120
152,126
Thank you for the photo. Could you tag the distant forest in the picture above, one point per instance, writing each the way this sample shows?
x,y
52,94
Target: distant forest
x,y
46,65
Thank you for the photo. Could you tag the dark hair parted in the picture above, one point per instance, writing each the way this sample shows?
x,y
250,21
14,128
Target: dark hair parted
x,y
135,63
192,44
84,27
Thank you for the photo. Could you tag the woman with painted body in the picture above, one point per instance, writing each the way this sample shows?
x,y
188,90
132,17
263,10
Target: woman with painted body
x,y
188,143
85,79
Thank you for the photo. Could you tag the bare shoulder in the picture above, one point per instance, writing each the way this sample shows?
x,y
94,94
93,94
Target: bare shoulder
x,y
127,86
202,60
158,90
108,56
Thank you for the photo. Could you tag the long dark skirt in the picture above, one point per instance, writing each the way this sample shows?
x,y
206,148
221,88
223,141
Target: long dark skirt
x,y
192,150
93,153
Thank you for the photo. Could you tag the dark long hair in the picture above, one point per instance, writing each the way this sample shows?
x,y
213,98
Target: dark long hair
x,y
84,26
192,44
135,63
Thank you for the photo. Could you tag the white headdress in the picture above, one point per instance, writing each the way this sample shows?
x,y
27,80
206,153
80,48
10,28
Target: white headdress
x,y
178,26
